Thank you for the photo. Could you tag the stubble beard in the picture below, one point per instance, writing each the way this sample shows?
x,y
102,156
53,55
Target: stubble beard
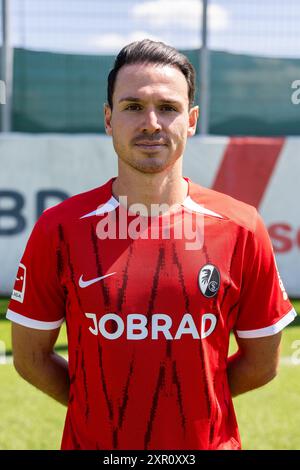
x,y
149,165
146,164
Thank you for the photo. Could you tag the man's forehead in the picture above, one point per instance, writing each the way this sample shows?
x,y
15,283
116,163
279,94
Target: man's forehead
x,y
168,80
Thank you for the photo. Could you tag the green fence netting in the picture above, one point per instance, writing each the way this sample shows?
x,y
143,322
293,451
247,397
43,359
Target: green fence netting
x,y
65,93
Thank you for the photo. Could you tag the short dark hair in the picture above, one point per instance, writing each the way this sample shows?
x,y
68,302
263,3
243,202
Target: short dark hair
x,y
151,52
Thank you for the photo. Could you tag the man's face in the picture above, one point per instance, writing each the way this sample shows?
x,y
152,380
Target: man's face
x,y
150,120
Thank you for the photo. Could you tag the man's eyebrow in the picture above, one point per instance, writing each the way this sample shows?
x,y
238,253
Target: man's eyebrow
x,y
175,102
129,98
138,100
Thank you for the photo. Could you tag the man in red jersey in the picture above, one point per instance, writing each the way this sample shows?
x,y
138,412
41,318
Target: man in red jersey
x,y
151,273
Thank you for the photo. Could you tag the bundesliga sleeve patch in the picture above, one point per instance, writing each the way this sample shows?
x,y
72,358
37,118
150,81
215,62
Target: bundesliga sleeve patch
x,y
20,283
209,280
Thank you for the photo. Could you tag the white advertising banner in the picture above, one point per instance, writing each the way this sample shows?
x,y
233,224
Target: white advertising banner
x,y
39,171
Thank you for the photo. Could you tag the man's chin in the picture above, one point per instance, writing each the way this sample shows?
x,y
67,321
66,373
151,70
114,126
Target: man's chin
x,y
148,164
150,167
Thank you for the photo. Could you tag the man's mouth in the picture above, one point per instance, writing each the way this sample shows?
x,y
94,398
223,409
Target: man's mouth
x,y
151,145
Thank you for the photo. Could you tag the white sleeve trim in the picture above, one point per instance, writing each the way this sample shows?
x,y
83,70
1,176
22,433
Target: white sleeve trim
x,y
36,324
269,330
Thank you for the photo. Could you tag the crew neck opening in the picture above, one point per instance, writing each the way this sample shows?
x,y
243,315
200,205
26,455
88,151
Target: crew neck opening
x,y
178,207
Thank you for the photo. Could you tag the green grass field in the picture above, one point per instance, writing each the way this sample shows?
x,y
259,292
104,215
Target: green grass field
x,y
269,418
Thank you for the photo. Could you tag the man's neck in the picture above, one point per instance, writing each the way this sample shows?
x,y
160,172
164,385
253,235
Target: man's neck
x,y
167,187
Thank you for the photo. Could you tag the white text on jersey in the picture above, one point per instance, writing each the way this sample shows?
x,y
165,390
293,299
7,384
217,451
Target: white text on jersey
x,y
137,328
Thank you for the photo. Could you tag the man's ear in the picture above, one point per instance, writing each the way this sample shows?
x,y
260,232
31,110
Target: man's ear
x,y
107,119
193,118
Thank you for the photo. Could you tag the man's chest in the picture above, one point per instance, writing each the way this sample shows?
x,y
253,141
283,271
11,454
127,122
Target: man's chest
x,y
149,276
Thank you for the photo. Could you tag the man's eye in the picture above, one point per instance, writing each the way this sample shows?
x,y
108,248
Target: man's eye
x,y
167,107
133,107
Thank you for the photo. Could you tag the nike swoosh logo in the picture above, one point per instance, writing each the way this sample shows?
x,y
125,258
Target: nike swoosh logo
x,y
84,284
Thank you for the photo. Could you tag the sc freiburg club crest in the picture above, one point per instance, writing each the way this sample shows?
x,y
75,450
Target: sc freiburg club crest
x,y
209,280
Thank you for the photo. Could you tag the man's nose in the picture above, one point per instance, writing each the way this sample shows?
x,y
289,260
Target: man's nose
x,y
151,122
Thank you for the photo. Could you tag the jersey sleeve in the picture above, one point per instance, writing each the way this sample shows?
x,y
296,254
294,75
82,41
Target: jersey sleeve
x,y
37,299
264,305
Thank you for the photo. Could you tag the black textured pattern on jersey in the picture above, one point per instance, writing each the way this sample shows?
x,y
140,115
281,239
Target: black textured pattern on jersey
x,y
204,248
226,290
204,379
61,233
212,429
176,382
86,396
69,263
159,265
75,443
225,397
181,278
232,309
176,379
169,349
125,397
160,380
59,262
158,388
175,376
122,289
104,386
122,408
77,353
231,263
171,364
105,289
72,274
78,347
59,255
115,439
73,377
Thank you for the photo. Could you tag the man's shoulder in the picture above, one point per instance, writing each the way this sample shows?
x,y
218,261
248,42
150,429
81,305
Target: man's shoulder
x,y
77,206
227,207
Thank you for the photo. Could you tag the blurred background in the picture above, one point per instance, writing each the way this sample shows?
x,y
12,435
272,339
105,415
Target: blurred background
x,y
54,61
58,55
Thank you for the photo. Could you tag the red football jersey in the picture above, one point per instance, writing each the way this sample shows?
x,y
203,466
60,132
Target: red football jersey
x,y
149,313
